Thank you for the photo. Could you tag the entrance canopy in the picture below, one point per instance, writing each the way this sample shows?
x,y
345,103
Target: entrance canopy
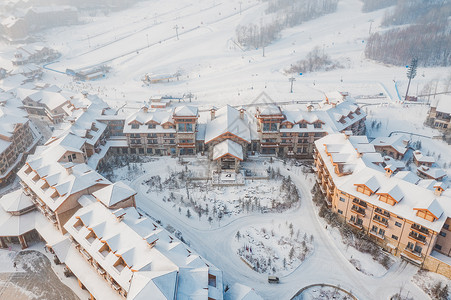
x,y
228,148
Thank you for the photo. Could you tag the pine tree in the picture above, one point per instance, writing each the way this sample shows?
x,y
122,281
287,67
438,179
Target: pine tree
x,y
411,73
188,213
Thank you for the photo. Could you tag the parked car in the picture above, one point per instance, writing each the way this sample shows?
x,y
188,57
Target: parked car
x,y
273,279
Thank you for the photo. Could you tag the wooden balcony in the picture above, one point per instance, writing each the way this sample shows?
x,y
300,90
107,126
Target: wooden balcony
x,y
417,238
355,224
419,229
358,210
379,236
380,222
382,213
360,203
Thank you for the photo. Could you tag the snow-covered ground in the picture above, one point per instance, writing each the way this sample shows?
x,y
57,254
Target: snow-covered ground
x,y
142,39
275,248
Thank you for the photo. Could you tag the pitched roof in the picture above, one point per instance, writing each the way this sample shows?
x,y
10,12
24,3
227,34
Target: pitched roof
x,y
227,119
228,147
114,193
15,201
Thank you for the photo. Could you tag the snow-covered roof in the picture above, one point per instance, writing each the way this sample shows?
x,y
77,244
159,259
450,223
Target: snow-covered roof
x,y
114,193
228,119
397,142
442,103
186,111
65,178
421,158
151,256
154,116
241,292
228,147
11,114
404,185
160,284
434,173
15,201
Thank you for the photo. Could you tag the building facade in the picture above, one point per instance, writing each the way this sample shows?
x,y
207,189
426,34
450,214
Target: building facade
x,y
408,218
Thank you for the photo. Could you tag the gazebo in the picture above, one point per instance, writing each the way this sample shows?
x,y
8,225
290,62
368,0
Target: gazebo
x,y
17,219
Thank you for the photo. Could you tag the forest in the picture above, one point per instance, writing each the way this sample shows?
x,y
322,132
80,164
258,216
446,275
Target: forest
x,y
421,30
284,14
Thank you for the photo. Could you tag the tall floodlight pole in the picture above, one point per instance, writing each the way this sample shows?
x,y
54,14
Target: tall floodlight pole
x,y
176,27
291,79
411,73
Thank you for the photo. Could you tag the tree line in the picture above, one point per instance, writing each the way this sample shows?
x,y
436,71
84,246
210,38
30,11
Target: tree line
x,y
427,35
285,13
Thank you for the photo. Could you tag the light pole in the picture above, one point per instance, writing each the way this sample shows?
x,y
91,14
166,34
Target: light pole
x,y
176,27
291,79
147,36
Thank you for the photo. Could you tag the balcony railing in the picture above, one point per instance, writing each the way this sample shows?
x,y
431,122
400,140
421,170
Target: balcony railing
x,y
412,251
359,202
382,212
358,210
355,223
417,238
374,233
380,221
420,229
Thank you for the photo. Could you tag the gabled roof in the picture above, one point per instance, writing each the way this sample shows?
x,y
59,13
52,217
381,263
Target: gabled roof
x,y
228,147
394,192
370,182
114,193
186,111
432,206
397,142
227,119
160,285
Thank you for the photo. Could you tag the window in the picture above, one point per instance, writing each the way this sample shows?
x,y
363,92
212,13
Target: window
x,y
269,127
446,226
381,232
211,280
394,237
374,228
149,151
135,126
398,224
151,126
438,247
302,125
340,211
342,199
317,125
185,127
74,156
442,233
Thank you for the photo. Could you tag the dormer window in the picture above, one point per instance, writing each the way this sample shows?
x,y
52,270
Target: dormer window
x,y
28,170
151,126
78,225
91,237
119,264
54,195
135,126
317,125
45,186
302,125
104,250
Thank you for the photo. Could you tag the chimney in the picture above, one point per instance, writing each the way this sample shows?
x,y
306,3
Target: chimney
x,y
119,214
212,114
347,133
438,188
388,172
242,113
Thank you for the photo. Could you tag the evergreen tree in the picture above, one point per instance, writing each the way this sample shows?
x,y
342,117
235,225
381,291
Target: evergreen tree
x,y
411,73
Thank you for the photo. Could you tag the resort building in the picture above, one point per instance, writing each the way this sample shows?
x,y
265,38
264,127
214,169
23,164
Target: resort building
x,y
407,216
440,113
395,146
18,136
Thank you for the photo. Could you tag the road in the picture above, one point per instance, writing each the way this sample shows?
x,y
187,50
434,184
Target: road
x,y
326,264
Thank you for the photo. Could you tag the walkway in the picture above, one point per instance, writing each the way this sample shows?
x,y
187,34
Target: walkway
x,y
327,264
